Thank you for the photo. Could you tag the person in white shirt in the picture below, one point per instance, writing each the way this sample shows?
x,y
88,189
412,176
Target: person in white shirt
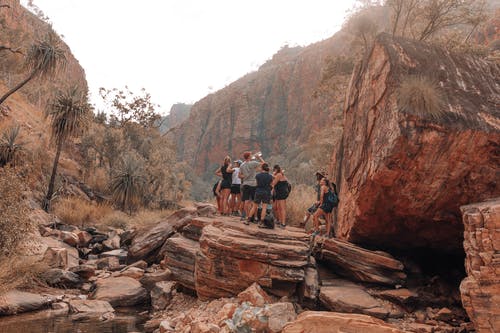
x,y
235,202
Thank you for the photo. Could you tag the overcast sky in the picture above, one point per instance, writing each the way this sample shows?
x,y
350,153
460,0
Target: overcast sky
x,y
181,50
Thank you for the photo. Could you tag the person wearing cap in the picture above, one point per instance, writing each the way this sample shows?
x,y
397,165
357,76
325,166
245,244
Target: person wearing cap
x,y
320,174
248,181
235,202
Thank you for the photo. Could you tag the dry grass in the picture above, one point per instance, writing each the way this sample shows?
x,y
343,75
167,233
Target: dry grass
x,y
420,95
301,198
140,220
14,221
20,273
79,212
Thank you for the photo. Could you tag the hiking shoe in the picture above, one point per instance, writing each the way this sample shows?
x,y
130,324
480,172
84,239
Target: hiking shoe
x,y
246,222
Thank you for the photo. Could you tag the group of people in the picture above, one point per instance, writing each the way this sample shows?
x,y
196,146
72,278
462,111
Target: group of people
x,y
246,185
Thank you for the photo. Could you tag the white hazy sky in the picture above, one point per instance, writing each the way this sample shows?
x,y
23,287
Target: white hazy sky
x,y
181,50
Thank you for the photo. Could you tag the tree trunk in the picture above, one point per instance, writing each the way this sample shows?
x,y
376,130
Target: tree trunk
x,y
16,88
50,191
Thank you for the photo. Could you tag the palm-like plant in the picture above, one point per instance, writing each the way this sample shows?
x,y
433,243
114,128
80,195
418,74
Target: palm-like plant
x,y
10,148
69,115
127,186
43,59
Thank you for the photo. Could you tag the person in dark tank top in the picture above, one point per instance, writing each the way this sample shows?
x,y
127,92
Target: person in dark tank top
x,y
262,192
225,171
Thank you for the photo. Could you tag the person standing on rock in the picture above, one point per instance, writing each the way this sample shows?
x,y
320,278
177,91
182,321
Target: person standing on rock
x,y
225,171
235,189
262,193
280,189
217,195
325,207
320,174
248,181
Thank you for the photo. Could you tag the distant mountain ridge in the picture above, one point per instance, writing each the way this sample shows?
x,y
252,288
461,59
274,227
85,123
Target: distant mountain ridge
x,y
178,113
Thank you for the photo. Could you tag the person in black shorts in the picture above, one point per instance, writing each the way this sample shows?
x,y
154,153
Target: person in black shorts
x,y
247,174
235,201
280,189
262,192
225,171
217,195
324,208
320,174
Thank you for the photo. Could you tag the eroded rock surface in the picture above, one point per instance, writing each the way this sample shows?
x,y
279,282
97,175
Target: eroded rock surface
x,y
405,173
481,288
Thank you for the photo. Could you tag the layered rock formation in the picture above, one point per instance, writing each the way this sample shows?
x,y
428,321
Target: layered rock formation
x,y
19,29
481,289
269,110
404,169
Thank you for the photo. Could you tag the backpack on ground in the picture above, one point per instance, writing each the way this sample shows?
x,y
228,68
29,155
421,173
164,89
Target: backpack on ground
x,y
268,221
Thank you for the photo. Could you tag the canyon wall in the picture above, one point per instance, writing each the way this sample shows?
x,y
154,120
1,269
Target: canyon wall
x,y
406,167
19,28
275,109
481,288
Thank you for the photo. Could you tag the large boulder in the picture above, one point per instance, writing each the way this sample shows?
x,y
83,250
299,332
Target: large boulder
x,y
16,301
233,256
120,291
405,169
147,243
90,306
333,322
361,264
180,256
481,288
59,254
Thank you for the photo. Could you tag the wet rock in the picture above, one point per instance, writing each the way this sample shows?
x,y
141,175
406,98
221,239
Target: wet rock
x,y
162,294
361,264
396,160
90,306
57,277
233,256
330,322
481,288
120,291
16,301
61,307
149,280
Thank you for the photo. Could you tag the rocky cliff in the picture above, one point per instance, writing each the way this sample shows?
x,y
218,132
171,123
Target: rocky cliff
x,y
421,137
19,28
275,109
178,113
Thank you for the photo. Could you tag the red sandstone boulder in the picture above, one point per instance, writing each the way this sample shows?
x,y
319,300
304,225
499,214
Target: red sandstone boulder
x,y
405,171
481,288
16,301
361,264
333,322
233,256
180,257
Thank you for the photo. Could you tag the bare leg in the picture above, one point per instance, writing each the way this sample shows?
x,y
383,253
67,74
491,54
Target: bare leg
x,y
328,219
263,213
283,211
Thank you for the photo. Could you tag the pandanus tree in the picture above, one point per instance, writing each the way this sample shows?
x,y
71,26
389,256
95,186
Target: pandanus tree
x,y
10,147
128,184
70,115
43,59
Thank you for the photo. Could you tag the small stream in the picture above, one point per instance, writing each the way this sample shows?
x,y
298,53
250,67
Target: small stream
x,y
125,321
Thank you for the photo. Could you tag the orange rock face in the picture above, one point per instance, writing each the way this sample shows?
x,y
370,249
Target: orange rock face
x,y
270,110
481,289
404,172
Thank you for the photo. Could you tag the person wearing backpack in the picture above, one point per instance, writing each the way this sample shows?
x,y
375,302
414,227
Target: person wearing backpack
x,y
325,207
281,191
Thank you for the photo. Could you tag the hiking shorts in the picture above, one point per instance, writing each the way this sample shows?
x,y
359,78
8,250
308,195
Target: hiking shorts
x,y
262,197
235,189
248,192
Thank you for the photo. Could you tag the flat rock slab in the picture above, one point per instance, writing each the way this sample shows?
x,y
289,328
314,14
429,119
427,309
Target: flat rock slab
x,y
120,291
90,306
360,264
180,257
352,299
333,322
16,301
232,256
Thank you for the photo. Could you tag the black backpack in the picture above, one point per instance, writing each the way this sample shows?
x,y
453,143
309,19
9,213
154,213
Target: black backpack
x,y
332,198
268,221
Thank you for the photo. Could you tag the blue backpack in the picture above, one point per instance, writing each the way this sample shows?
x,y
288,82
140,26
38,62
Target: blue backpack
x,y
332,198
